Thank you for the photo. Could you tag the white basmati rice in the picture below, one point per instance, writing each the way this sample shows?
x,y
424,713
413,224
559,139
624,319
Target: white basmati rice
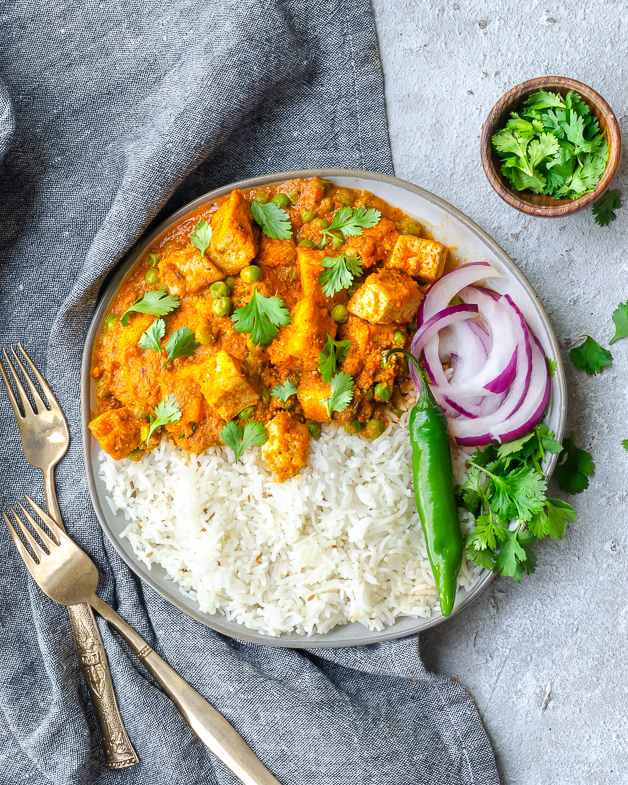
x,y
340,542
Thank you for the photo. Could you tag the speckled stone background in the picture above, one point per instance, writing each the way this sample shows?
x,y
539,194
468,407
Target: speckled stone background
x,y
546,661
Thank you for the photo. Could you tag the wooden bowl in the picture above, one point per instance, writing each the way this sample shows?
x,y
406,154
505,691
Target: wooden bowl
x,y
512,101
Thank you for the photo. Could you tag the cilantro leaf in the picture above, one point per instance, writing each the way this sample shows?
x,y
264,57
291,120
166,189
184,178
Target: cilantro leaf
x,y
522,181
487,532
620,317
166,412
577,466
182,343
551,366
520,126
273,219
543,100
333,354
339,273
590,357
507,141
518,494
516,555
283,391
239,439
484,558
156,302
625,444
543,147
201,236
587,175
341,393
151,338
552,519
261,317
353,222
512,447
604,208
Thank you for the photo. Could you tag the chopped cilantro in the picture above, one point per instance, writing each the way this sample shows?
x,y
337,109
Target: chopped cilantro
x,y
341,394
339,273
239,439
166,412
333,354
604,208
283,391
620,317
156,302
273,219
182,343
577,466
590,356
201,236
261,317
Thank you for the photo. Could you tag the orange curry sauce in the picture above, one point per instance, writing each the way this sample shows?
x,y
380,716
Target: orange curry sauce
x,y
228,374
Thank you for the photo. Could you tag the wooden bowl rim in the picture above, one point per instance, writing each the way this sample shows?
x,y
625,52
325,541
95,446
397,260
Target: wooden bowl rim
x,y
564,208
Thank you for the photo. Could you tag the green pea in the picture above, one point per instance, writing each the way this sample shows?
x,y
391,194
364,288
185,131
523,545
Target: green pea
x,y
354,288
355,426
135,454
353,252
294,196
282,200
413,228
326,204
344,197
262,198
305,243
247,413
326,185
111,322
308,215
368,394
265,395
222,306
152,260
231,282
168,245
251,274
205,337
102,392
399,339
336,240
315,429
374,428
219,289
324,224
383,392
411,326
339,314
152,277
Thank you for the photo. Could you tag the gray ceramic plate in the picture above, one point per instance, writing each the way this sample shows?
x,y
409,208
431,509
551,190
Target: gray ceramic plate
x,y
447,225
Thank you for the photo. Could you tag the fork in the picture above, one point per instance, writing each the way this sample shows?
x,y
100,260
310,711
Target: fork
x,y
45,439
68,576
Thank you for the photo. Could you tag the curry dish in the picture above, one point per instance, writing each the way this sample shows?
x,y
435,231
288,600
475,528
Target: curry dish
x,y
272,307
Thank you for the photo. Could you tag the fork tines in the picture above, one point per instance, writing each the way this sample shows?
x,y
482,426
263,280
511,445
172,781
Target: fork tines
x,y
46,541
28,409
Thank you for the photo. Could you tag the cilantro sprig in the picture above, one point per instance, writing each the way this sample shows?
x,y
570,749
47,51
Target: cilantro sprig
x,y
339,273
273,219
352,222
281,392
604,209
620,317
240,439
590,357
341,394
554,147
506,484
156,302
261,317
182,343
166,412
201,236
151,338
333,354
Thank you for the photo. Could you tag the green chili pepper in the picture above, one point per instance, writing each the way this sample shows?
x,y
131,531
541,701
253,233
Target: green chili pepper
x,y
434,489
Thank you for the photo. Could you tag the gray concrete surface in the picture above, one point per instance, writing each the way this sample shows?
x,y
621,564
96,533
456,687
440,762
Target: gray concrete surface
x,y
544,660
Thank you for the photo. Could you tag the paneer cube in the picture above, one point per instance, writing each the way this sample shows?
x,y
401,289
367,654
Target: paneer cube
x,y
275,253
300,343
422,259
386,296
374,244
286,451
185,271
222,383
233,244
311,393
189,397
310,268
117,431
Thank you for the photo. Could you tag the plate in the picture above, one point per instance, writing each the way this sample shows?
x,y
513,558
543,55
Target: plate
x,y
449,226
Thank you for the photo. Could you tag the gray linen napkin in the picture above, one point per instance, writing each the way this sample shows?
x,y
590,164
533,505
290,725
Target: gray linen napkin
x,y
112,115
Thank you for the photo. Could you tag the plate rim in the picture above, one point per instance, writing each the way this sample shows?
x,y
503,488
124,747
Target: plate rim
x,y
106,294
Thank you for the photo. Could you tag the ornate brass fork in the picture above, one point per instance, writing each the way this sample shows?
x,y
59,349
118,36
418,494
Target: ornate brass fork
x,y
68,576
45,439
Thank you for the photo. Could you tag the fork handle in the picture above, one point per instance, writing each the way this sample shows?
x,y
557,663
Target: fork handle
x,y
208,724
119,752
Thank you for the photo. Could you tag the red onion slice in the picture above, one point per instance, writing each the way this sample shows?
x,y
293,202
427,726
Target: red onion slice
x,y
440,293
